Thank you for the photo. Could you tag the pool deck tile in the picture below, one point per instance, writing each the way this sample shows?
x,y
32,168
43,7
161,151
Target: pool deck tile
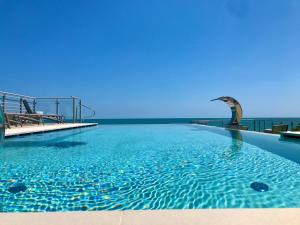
x,y
65,218
158,217
44,128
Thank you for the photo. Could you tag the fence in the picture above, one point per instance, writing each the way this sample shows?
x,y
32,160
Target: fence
x,y
257,124
71,108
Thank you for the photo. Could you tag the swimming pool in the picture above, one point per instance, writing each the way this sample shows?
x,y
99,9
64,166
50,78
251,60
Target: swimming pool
x,y
118,167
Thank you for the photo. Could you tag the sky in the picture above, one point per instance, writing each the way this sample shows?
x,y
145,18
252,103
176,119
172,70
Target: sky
x,y
148,59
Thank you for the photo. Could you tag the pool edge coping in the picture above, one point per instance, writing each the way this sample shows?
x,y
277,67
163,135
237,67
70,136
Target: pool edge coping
x,y
274,216
46,129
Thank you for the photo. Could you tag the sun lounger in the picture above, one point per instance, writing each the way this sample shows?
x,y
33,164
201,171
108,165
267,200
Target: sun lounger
x,y
297,128
277,129
36,116
237,127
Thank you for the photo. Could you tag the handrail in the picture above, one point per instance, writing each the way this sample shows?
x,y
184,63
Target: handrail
x,y
87,107
16,95
53,98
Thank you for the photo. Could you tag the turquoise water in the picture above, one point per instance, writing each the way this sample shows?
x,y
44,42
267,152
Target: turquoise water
x,y
118,167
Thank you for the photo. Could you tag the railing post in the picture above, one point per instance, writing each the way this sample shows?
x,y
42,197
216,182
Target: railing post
x,y
74,109
34,105
21,103
80,111
3,103
56,107
76,114
254,125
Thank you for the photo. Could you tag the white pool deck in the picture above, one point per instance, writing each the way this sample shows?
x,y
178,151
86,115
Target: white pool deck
x,y
158,217
16,131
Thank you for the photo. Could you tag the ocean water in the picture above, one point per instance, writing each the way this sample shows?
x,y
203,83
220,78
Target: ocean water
x,y
137,167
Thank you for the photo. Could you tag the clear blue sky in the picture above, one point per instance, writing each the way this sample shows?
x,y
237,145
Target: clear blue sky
x,y
155,58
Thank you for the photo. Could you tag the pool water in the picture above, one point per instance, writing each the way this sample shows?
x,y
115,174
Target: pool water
x,y
118,167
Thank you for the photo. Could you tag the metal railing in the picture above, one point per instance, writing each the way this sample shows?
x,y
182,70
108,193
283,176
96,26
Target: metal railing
x,y
257,124
71,108
12,102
